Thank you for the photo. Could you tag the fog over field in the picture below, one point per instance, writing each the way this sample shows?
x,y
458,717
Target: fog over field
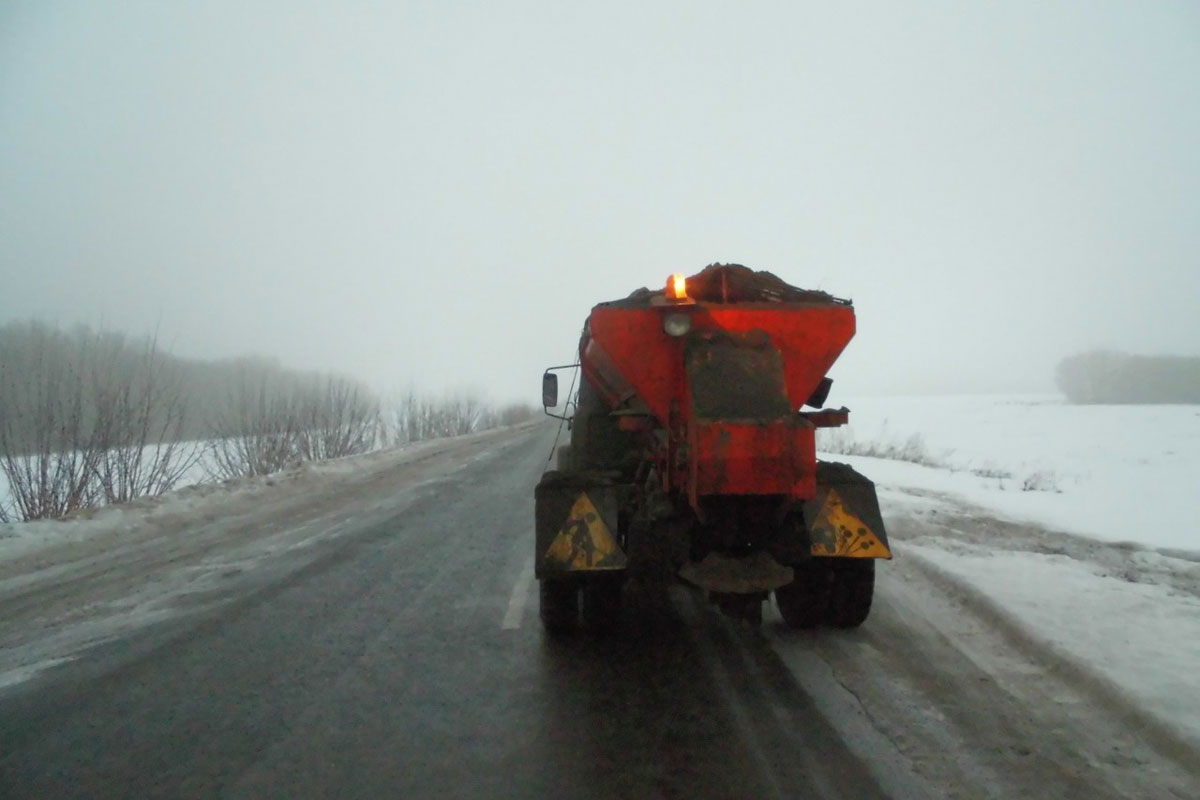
x,y
434,194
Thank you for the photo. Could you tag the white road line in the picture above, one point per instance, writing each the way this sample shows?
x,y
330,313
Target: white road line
x,y
516,601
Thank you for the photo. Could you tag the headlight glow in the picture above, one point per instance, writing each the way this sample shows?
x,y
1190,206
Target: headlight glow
x,y
677,324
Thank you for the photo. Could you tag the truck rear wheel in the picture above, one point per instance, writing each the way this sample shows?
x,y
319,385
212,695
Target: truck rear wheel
x,y
558,604
851,592
601,601
804,602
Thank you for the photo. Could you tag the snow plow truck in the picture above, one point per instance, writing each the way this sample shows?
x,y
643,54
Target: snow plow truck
x,y
692,455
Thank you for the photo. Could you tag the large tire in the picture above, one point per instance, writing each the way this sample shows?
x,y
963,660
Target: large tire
x,y
804,602
851,592
558,604
601,601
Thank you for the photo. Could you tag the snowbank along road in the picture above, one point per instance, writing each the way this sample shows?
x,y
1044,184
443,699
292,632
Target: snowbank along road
x,y
369,629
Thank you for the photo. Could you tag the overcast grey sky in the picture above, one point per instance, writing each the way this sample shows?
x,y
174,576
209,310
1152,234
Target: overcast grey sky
x,y
435,193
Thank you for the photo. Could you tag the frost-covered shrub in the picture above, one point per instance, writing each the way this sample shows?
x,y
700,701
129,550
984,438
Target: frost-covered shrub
x,y
1041,481
86,418
911,449
990,470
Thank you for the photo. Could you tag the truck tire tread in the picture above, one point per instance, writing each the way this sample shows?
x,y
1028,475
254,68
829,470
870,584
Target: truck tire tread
x,y
558,605
851,593
804,603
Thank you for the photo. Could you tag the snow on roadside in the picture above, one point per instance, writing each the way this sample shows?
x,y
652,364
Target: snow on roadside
x,y
194,504
1143,638
19,539
1127,613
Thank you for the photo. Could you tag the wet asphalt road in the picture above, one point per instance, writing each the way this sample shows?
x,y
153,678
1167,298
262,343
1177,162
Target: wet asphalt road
x,y
407,661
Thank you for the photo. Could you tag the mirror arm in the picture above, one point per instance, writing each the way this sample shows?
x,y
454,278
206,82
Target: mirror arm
x,y
568,403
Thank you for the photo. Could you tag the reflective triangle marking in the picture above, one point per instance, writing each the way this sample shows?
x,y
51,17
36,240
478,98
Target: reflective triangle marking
x,y
837,532
585,542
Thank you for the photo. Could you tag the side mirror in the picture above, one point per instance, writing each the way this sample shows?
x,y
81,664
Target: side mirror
x,y
549,390
820,394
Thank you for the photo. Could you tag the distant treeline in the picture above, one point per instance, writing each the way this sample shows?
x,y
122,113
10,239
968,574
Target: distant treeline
x,y
93,417
86,372
1117,378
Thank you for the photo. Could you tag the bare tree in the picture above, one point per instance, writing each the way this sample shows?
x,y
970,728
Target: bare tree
x,y
416,418
275,418
464,410
514,414
141,412
93,417
49,442
257,431
86,418
337,418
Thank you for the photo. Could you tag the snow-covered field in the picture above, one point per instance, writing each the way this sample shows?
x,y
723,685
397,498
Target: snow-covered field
x,y
1089,546
1118,473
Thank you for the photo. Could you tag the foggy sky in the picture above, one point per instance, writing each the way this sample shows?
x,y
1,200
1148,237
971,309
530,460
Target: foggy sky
x,y
435,193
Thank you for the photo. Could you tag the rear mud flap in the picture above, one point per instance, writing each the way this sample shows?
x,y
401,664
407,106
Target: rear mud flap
x,y
576,521
843,520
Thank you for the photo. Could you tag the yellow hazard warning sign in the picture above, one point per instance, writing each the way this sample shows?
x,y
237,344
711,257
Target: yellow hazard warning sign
x,y
838,532
584,541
